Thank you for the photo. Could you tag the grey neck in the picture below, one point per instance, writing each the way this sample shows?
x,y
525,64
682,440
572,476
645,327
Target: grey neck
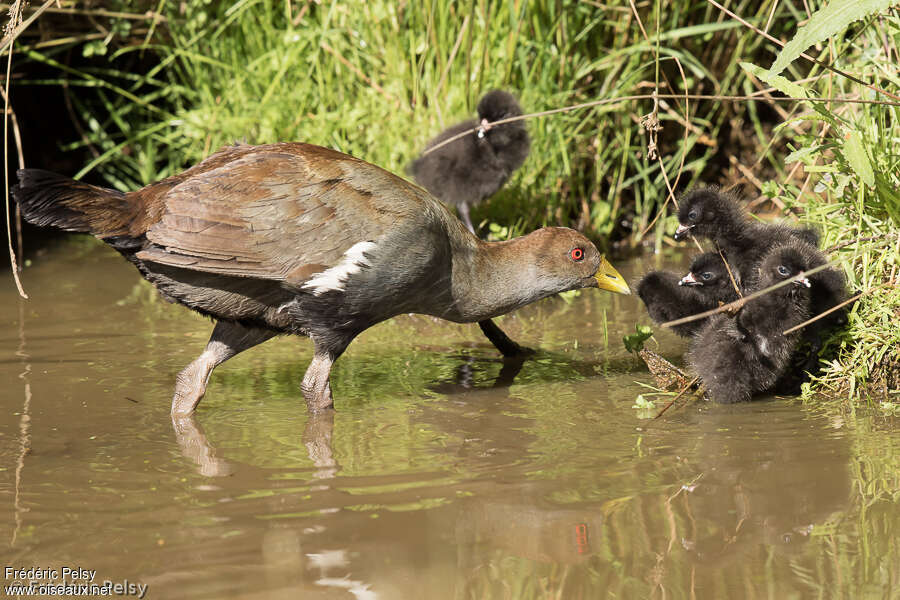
x,y
492,278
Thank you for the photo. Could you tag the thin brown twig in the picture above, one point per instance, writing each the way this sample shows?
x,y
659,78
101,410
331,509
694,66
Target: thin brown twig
x,y
730,274
17,135
687,124
453,51
874,88
738,304
687,120
679,395
868,238
652,125
771,15
752,97
97,12
825,313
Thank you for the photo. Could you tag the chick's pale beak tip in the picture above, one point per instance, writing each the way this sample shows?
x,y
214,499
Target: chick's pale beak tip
x,y
609,279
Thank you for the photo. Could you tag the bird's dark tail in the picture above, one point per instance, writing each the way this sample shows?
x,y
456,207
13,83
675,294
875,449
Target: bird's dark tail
x,y
50,199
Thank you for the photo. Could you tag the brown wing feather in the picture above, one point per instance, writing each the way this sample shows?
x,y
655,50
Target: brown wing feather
x,y
282,212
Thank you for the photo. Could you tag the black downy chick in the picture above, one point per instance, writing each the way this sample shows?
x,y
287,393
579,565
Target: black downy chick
x,y
828,289
711,214
737,358
474,167
669,297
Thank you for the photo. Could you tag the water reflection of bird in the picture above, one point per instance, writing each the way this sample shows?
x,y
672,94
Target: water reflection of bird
x,y
736,358
709,213
669,297
472,168
295,238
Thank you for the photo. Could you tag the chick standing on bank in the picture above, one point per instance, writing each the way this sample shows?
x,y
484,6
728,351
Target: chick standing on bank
x,y
472,168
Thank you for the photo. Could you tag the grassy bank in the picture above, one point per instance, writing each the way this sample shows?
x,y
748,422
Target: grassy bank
x,y
844,179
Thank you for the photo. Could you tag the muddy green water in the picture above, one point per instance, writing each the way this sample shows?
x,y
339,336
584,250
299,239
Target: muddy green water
x,y
441,475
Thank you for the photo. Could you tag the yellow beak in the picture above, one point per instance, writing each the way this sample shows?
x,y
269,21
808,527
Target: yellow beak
x,y
609,279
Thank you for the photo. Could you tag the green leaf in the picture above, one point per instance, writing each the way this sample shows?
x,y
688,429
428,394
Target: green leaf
x,y
802,154
643,403
855,153
824,23
634,342
782,84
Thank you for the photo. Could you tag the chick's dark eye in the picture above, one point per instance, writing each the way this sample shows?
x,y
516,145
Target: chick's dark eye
x,y
692,215
577,254
706,276
783,271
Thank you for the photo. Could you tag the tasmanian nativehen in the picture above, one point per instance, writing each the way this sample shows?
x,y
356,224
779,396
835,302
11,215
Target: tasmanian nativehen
x,y
295,238
472,168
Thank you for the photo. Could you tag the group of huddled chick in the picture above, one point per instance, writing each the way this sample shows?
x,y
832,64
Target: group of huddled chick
x,y
737,356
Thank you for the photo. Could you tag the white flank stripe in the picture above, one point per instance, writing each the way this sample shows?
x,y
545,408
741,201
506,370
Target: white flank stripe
x,y
333,279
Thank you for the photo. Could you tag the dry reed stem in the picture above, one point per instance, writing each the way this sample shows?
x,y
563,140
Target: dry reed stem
x,y
771,16
755,97
150,15
16,26
450,59
730,274
17,134
653,148
12,33
679,395
869,238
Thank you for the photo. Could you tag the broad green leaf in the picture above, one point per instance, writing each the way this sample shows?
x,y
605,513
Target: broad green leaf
x,y
824,23
801,154
782,84
635,342
856,155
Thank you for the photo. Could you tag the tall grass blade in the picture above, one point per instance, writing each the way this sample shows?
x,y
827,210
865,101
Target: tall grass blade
x,y
856,155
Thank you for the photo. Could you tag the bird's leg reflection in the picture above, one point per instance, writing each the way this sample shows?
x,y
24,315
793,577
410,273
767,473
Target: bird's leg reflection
x,y
465,375
317,438
512,365
194,446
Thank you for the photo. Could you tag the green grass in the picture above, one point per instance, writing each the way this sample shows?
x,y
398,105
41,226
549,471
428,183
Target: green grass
x,y
848,188
379,79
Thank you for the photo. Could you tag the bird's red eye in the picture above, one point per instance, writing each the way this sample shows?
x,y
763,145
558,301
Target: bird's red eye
x,y
577,254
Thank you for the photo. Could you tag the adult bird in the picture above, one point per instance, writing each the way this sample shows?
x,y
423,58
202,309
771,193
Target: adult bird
x,y
296,238
468,170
